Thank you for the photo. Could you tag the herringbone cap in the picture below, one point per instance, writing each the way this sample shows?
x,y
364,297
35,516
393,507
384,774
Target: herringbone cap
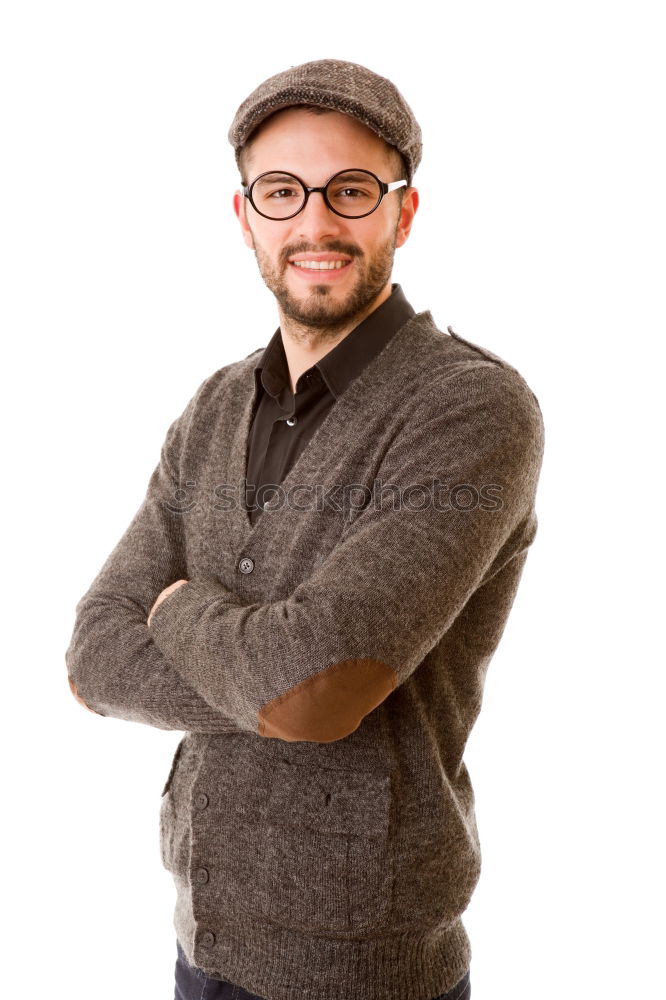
x,y
342,86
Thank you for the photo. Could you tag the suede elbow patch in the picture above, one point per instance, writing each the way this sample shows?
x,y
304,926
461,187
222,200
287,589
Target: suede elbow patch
x,y
329,705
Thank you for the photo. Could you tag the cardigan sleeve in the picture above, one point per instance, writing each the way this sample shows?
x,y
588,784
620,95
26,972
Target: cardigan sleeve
x,y
313,665
111,659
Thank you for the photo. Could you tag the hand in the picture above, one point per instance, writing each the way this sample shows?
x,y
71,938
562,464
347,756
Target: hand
x,y
165,593
79,698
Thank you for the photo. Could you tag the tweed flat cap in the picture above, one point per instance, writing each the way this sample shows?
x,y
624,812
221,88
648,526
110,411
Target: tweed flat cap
x,y
342,86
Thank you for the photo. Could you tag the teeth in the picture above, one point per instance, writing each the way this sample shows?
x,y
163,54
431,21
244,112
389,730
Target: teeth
x,y
321,265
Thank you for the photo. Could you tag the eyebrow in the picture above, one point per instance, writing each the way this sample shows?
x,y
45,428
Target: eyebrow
x,y
276,175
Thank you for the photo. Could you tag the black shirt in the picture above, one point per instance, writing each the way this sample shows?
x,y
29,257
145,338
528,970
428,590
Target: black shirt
x,y
284,421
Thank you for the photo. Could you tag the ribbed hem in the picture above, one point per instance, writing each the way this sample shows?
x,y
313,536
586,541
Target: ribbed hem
x,y
281,964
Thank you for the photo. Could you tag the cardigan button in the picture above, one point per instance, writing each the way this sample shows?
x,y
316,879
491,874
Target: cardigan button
x,y
208,939
202,875
246,565
201,800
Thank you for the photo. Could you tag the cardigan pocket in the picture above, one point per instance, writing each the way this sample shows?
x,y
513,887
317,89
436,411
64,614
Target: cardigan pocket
x,y
323,849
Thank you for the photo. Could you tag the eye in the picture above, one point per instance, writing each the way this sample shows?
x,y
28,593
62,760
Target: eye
x,y
280,192
348,192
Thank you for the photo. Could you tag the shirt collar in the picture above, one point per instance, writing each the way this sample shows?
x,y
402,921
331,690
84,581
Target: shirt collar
x,y
348,358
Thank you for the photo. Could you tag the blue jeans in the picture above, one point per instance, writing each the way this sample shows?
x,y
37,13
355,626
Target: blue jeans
x,y
193,984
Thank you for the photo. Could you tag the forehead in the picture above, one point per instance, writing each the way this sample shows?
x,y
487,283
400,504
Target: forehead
x,y
297,139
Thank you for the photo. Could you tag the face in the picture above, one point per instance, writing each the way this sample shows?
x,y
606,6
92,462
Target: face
x,y
314,147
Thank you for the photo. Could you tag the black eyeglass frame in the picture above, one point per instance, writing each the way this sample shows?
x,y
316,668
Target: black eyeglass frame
x,y
384,189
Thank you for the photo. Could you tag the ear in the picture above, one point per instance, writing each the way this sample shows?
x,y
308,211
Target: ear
x,y
240,204
410,203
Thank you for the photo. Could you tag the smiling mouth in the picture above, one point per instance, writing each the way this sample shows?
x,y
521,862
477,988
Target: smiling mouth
x,y
320,265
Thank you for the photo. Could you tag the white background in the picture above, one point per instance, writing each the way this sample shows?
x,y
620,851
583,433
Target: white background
x,y
125,282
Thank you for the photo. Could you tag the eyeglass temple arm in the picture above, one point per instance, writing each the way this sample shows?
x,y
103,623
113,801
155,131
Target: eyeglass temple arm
x,y
395,184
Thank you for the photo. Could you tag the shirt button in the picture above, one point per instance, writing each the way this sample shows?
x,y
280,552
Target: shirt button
x,y
246,565
201,800
208,939
202,875
290,421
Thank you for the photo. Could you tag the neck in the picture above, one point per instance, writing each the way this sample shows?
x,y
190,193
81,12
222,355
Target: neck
x,y
304,345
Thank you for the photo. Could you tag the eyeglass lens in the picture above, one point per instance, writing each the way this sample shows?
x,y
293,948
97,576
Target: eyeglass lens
x,y
351,192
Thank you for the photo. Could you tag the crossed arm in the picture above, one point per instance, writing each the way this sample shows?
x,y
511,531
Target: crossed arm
x,y
313,665
113,666
160,598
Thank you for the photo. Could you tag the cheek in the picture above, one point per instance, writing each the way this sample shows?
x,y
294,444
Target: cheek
x,y
269,246
374,235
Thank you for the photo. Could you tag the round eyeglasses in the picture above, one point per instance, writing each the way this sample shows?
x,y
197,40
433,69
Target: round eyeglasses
x,y
353,193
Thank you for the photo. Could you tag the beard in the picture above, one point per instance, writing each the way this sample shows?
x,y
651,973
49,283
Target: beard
x,y
317,309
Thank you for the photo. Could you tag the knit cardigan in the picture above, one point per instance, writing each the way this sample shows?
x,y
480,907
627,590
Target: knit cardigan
x,y
326,665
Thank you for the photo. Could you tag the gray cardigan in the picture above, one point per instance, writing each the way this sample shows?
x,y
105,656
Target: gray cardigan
x,y
327,666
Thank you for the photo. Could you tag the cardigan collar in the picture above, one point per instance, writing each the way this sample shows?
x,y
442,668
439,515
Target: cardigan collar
x,y
414,336
344,361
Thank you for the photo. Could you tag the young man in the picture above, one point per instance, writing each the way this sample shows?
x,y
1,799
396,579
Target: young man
x,y
323,640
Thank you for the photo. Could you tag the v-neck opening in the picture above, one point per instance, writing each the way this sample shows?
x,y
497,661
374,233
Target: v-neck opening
x,y
242,442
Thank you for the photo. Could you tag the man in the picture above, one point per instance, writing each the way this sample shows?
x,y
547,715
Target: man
x,y
323,640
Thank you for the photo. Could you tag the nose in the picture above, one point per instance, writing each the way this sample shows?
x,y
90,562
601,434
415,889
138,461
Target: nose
x,y
317,221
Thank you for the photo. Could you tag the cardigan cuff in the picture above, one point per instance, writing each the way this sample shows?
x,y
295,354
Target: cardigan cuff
x,y
178,614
